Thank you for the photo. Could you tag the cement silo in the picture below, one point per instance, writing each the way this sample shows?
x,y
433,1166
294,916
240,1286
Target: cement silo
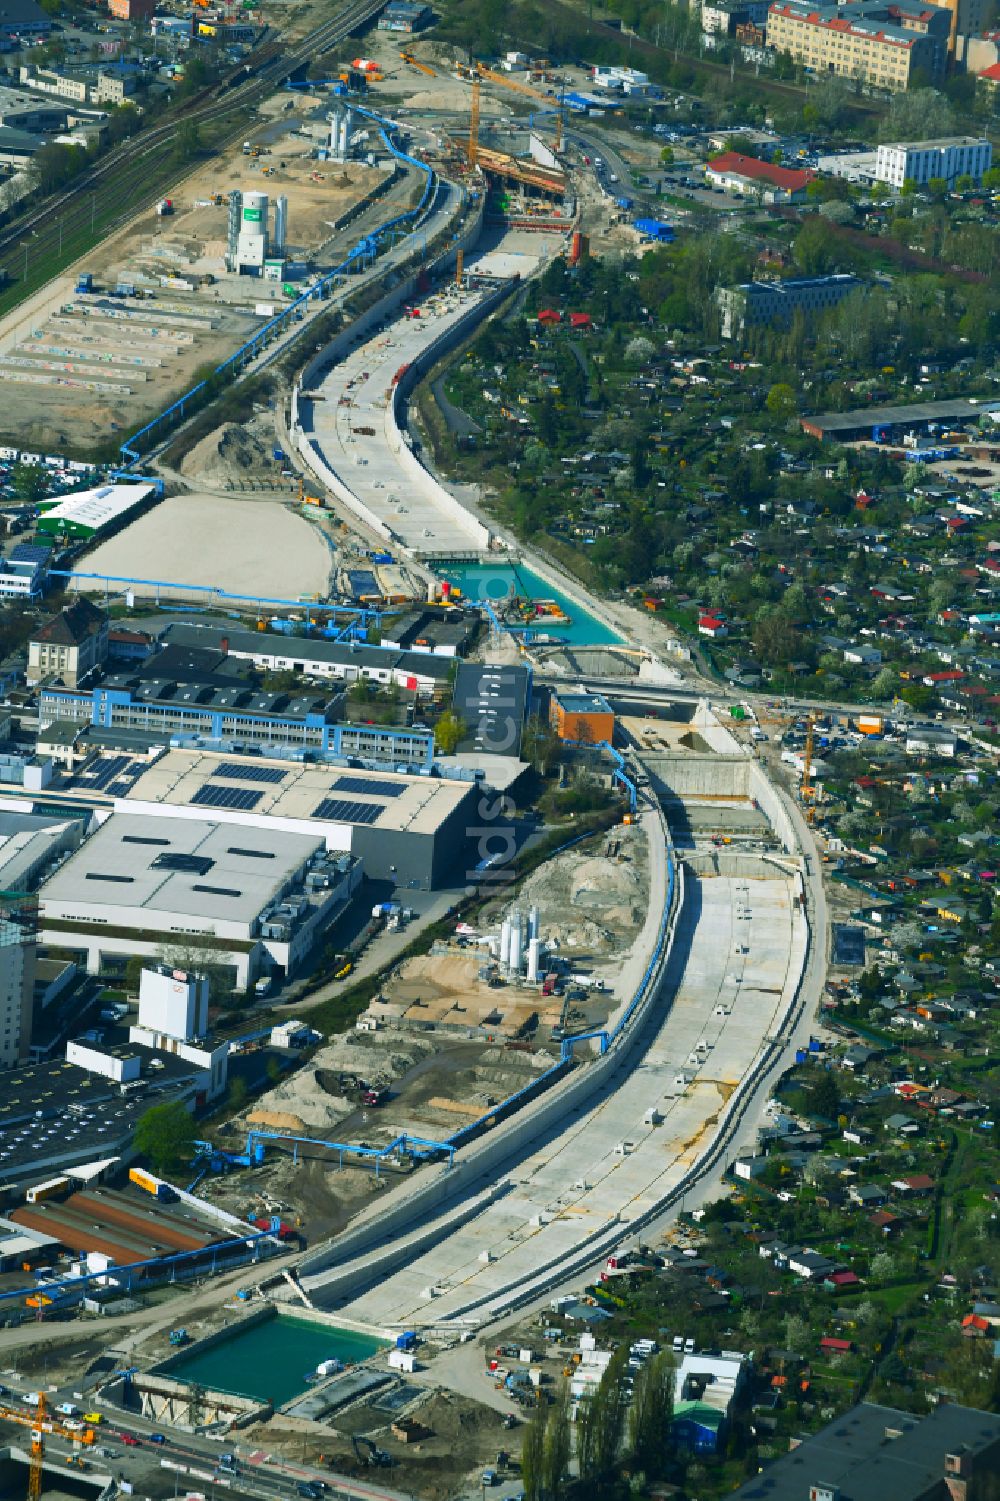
x,y
252,243
279,240
504,955
516,942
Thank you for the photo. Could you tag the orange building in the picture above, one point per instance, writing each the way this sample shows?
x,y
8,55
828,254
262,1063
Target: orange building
x,y
582,716
131,10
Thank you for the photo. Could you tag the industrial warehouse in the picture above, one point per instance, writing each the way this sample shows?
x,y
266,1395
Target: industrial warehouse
x,y
87,514
103,1223
407,829
258,896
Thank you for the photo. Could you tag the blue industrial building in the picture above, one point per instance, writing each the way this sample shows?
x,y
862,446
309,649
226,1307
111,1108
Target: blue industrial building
x,y
656,229
237,715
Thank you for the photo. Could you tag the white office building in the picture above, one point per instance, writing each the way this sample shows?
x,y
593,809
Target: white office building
x,y
173,1001
920,161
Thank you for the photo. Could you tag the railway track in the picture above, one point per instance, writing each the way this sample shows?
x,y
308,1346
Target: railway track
x,y
119,185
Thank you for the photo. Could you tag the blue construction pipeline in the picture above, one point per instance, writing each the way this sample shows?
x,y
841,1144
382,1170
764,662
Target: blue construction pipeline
x,y
363,254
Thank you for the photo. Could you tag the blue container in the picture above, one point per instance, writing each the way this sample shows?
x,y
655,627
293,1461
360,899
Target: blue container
x,y
801,1055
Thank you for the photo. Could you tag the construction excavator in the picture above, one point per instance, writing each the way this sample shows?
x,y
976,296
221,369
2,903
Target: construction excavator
x,y
368,1453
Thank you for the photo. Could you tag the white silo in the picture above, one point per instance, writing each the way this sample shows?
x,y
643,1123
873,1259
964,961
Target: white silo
x,y
516,942
505,942
280,237
534,953
251,246
533,924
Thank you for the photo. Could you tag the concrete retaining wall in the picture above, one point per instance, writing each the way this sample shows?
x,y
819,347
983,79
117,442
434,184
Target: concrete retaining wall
x,y
390,302
691,775
732,863
238,1326
311,452
588,1254
322,363
424,481
375,1266
769,800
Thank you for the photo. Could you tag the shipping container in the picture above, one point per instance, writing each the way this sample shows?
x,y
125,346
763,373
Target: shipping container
x,y
142,1179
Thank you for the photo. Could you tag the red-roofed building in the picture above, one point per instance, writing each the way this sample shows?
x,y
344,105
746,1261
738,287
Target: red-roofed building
x,y
838,1282
579,320
746,176
989,79
550,315
917,1184
711,625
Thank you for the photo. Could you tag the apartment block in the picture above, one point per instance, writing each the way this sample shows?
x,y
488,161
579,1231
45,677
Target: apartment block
x,y
878,43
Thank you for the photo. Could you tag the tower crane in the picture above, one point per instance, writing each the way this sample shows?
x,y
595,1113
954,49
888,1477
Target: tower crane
x,y
35,1471
473,152
808,788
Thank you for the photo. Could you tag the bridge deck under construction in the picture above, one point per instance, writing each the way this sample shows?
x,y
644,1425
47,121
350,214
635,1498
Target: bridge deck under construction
x,y
501,164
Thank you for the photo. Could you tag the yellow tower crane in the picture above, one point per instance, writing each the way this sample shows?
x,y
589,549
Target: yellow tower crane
x,y
35,1472
808,787
474,123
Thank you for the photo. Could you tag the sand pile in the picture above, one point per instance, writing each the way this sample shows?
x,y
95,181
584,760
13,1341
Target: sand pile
x,y
226,458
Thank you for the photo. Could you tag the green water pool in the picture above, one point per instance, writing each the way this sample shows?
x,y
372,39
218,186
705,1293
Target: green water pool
x,y
497,581
270,1360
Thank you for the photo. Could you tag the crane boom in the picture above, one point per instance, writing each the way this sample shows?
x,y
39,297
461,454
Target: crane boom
x,y
808,790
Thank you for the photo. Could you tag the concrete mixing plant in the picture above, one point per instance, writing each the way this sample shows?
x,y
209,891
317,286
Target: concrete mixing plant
x,y
250,244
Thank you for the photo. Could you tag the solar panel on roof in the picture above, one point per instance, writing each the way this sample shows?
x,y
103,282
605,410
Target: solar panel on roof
x,y
371,785
246,771
242,798
344,811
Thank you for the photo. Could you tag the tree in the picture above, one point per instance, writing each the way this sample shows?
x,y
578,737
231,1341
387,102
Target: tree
x,y
599,1424
239,1093
448,732
781,400
797,1333
882,1266
30,481
540,744
667,156
556,1448
546,1448
533,1455
824,1096
165,1134
884,683
649,1417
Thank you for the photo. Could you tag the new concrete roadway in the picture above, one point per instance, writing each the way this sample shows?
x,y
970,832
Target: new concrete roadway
x,y
347,432
612,1161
